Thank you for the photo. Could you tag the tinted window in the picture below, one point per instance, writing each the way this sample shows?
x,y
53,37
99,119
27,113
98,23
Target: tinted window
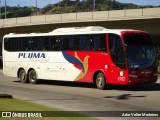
x,y
76,43
57,43
24,43
14,44
7,44
98,42
37,43
116,50
84,42
81,42
66,42
48,42
51,43
137,39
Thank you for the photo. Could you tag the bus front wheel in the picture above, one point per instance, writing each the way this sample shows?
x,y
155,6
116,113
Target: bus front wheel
x,y
32,77
23,76
100,81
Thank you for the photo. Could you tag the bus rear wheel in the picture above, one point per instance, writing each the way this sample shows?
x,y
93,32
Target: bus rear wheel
x,y
23,76
32,77
100,81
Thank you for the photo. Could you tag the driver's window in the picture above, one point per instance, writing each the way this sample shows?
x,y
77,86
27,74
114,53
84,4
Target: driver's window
x,y
116,50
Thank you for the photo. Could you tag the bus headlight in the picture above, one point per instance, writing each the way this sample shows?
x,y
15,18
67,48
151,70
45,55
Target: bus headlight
x,y
133,76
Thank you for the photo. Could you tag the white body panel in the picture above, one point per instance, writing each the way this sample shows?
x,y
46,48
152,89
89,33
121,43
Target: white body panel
x,y
54,66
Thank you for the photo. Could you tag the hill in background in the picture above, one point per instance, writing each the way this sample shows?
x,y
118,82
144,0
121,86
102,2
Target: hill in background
x,y
69,6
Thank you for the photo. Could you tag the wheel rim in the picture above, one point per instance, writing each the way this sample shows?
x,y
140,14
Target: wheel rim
x,y
100,82
32,77
22,76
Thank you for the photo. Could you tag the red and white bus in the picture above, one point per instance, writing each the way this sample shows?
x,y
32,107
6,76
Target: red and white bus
x,y
81,54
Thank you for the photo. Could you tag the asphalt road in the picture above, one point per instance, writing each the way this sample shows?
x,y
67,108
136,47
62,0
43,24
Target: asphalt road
x,y
86,97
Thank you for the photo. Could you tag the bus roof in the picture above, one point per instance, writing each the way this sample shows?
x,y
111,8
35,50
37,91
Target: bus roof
x,y
74,30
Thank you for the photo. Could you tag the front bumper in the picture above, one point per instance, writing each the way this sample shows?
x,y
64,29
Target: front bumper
x,y
135,81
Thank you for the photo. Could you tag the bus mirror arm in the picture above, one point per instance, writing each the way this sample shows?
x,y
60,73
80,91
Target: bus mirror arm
x,y
125,50
125,45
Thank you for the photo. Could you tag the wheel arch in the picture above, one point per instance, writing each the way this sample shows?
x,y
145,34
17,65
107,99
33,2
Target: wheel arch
x,y
96,73
30,70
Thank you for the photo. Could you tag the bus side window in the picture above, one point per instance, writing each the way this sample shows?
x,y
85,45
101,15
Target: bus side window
x,y
7,44
47,43
98,42
14,44
116,50
76,42
102,44
84,42
56,44
114,43
24,44
65,42
91,42
51,43
37,43
71,43
94,43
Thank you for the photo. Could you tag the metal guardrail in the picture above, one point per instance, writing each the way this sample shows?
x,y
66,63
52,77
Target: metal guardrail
x,y
113,15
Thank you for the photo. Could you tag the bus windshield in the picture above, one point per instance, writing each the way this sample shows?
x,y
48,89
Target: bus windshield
x,y
141,51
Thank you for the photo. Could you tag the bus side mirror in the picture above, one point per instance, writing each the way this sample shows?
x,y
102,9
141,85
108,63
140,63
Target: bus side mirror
x,y
126,53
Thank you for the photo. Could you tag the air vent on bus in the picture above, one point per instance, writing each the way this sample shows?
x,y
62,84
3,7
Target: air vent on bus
x,y
12,33
79,29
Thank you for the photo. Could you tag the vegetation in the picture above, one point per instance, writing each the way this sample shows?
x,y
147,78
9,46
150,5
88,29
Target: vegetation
x,y
67,6
19,105
18,11
87,5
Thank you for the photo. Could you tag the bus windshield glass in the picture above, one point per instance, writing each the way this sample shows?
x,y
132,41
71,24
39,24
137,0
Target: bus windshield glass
x,y
141,51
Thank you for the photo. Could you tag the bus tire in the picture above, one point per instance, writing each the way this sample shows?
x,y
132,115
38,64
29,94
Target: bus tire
x,y
100,81
23,76
32,77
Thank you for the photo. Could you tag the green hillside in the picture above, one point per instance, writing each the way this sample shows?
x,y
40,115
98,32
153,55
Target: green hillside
x,y
66,6
87,5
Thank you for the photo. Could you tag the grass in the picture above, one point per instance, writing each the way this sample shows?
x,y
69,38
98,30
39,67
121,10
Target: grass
x,y
19,105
